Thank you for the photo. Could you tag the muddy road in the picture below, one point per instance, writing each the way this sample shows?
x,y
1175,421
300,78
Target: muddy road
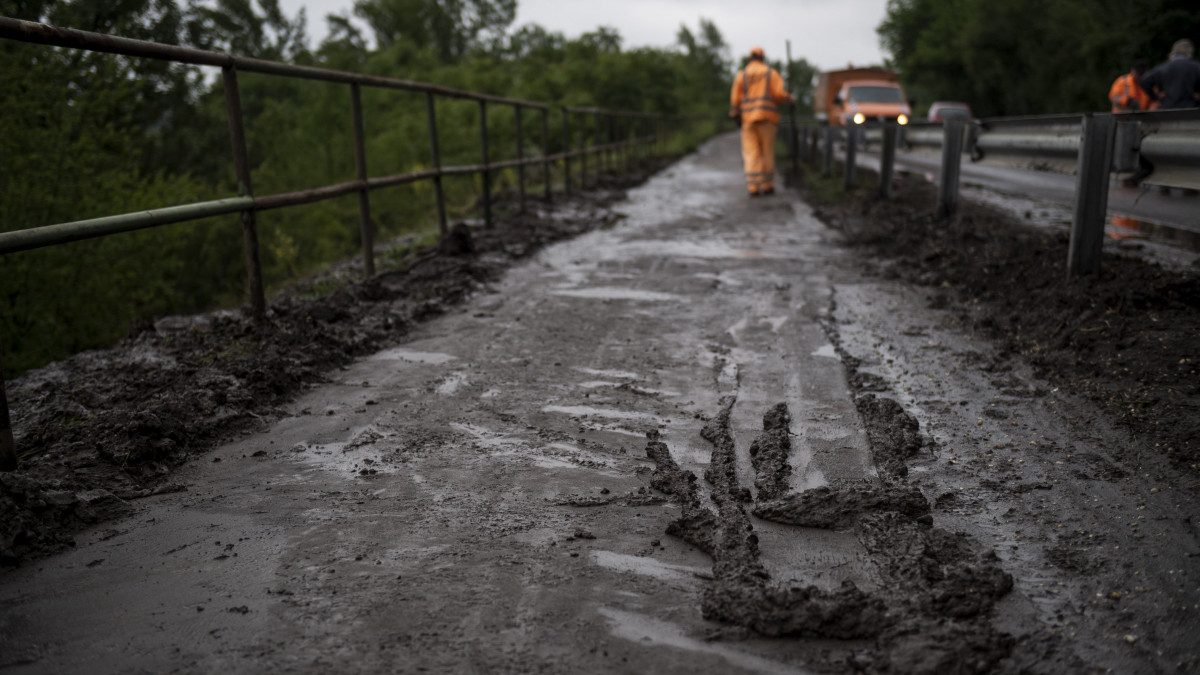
x,y
704,438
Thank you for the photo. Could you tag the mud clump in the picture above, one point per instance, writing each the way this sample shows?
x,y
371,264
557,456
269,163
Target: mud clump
x,y
769,454
842,507
844,614
895,436
121,419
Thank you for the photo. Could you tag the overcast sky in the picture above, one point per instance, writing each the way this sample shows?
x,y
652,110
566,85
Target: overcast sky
x,y
829,33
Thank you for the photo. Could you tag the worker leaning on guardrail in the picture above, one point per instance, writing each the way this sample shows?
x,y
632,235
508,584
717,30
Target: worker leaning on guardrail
x,y
1127,95
757,91
1175,83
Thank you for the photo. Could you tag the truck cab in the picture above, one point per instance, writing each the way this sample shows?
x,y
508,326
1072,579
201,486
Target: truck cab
x,y
862,101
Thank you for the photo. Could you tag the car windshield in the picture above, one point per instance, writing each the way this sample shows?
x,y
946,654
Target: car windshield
x,y
876,95
953,112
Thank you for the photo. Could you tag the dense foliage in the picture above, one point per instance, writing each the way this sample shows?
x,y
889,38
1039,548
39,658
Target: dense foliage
x,y
1024,57
86,135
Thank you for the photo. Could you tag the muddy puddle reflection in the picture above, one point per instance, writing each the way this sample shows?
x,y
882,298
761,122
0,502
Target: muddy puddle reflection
x,y
1128,227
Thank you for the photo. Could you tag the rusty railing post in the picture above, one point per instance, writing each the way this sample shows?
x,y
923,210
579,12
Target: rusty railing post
x,y
546,151
241,162
1091,194
487,176
827,164
952,143
566,146
436,157
8,447
583,155
521,159
360,170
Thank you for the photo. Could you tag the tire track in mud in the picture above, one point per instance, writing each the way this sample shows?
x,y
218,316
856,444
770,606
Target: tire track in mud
x,y
933,611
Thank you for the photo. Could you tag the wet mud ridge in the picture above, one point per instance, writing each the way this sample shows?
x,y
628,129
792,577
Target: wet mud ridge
x,y
931,613
104,428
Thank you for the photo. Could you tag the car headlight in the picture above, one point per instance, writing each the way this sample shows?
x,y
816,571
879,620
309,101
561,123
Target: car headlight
x,y
859,118
902,120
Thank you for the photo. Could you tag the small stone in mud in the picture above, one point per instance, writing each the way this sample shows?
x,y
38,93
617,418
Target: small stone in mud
x,y
584,534
240,609
604,491
656,542
299,447
259,453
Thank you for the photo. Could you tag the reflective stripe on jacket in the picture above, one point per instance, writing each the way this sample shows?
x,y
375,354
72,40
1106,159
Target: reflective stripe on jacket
x,y
757,91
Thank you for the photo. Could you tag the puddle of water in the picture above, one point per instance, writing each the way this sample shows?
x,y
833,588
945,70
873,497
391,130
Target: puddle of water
x,y
581,410
646,566
828,352
618,374
1127,227
401,354
720,278
349,458
614,293
648,631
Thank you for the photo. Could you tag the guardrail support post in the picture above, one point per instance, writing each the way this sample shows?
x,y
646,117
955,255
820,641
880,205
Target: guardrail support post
x,y
520,158
546,151
436,157
8,447
566,145
241,162
1091,194
849,170
487,176
360,169
887,162
828,158
952,141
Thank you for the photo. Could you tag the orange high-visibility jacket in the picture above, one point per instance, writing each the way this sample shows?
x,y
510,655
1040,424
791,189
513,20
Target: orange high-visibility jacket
x,y
1127,96
757,90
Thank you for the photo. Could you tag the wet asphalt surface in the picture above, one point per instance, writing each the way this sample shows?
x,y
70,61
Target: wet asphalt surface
x,y
479,500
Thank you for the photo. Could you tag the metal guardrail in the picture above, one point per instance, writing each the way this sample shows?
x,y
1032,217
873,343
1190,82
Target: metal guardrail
x,y
614,137
1159,147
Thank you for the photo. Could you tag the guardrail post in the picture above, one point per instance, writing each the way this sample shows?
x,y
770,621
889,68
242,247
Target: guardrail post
x,y
436,157
952,141
828,163
8,447
1091,194
487,176
241,162
360,169
566,145
583,155
850,168
887,163
546,151
520,158
1127,145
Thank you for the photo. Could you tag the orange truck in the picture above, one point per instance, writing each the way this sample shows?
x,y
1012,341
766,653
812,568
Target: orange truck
x,y
860,95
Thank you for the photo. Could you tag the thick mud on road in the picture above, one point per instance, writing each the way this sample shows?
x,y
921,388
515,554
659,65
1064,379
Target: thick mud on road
x,y
702,439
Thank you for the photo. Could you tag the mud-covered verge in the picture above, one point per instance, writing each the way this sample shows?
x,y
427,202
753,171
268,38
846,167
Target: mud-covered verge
x,y
932,612
103,428
1125,338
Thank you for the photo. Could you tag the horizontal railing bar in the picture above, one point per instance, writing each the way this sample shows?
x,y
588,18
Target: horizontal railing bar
x,y
45,34
62,233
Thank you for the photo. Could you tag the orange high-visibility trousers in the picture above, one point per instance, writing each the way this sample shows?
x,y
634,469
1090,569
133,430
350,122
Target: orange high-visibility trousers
x,y
758,155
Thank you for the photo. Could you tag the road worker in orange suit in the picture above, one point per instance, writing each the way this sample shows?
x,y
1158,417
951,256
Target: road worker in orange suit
x,y
1127,95
757,92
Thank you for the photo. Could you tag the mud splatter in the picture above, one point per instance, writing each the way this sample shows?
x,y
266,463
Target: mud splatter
x,y
895,435
844,506
769,454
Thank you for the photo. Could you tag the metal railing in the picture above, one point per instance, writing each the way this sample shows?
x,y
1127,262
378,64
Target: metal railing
x,y
624,135
1159,147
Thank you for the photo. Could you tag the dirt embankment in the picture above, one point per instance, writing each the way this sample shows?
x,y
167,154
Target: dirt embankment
x,y
1125,338
106,427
